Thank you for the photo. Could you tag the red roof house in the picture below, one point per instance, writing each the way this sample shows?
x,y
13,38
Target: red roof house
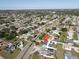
x,y
45,38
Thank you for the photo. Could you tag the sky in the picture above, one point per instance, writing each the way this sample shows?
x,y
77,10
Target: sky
x,y
39,4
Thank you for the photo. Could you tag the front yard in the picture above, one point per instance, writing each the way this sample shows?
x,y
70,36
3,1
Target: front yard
x,y
59,52
8,55
75,53
63,36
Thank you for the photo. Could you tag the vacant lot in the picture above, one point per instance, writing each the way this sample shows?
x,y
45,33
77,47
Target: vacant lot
x,y
59,52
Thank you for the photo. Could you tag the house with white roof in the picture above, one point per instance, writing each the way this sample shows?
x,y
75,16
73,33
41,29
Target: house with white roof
x,y
70,34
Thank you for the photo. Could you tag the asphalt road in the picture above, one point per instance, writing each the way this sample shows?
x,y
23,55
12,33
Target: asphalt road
x,y
26,56
20,55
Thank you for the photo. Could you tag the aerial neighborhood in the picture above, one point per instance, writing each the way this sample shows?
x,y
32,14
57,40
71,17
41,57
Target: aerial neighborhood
x,y
39,34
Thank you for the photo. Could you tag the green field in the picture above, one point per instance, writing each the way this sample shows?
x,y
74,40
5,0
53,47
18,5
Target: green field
x,y
8,55
34,56
59,52
75,53
63,36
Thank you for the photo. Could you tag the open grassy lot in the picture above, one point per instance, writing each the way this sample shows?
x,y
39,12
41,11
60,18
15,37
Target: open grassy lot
x,y
8,55
75,37
75,53
35,55
59,52
76,45
63,36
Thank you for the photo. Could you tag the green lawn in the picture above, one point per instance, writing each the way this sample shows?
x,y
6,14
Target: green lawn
x,y
8,55
75,53
30,57
35,55
75,36
63,36
59,52
41,35
76,45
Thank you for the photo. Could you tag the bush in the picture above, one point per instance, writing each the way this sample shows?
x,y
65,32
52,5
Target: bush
x,y
41,35
10,35
64,29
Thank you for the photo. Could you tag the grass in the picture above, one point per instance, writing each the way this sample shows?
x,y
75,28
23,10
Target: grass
x,y
75,36
59,52
30,57
76,45
75,53
8,55
35,55
63,36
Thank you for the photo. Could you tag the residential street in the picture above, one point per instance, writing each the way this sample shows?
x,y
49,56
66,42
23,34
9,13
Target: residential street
x,y
26,56
44,30
20,55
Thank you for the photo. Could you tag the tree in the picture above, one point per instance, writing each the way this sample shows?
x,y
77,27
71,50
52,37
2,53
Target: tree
x,y
48,30
64,29
10,35
41,35
1,34
23,31
75,36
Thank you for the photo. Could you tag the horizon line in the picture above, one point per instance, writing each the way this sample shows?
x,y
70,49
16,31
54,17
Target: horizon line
x,y
38,8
